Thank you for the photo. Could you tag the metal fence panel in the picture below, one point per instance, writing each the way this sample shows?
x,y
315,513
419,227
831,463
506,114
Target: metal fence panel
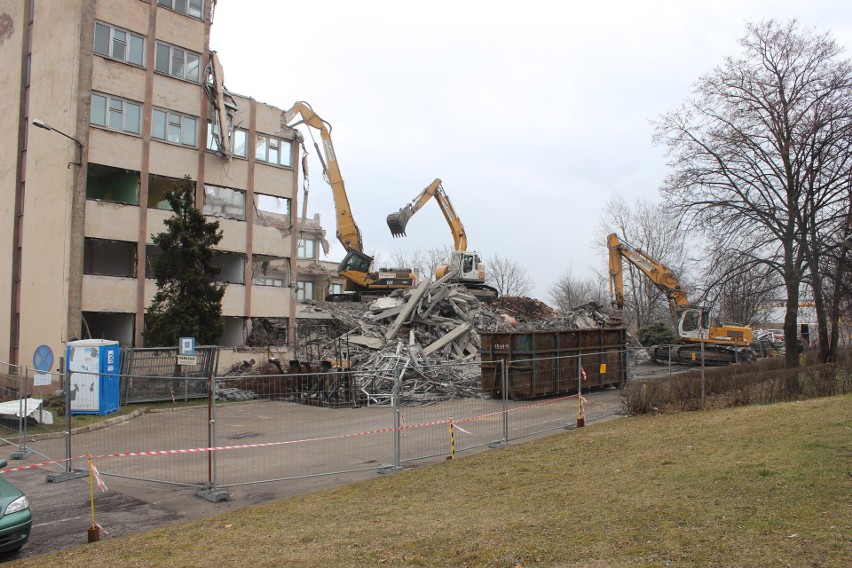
x,y
143,371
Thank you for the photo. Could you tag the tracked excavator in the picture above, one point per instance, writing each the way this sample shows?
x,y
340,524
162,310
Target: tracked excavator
x,y
466,266
355,267
723,345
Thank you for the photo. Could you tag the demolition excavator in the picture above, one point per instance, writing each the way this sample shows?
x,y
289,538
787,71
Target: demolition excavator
x,y
722,345
466,266
355,267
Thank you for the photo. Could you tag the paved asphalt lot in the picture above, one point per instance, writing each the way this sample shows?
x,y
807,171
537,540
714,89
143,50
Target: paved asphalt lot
x,y
62,515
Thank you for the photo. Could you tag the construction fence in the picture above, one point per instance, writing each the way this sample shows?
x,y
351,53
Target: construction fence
x,y
219,432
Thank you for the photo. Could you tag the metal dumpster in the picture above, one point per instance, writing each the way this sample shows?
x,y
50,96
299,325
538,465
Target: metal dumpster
x,y
542,363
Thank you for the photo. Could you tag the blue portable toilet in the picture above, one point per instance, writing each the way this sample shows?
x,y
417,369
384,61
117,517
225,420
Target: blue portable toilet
x,y
93,376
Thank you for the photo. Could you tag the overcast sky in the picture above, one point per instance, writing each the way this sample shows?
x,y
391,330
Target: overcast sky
x,y
533,113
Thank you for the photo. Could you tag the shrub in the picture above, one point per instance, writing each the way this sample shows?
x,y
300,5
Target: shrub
x,y
655,334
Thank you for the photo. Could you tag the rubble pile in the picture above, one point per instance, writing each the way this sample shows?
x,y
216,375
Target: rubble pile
x,y
522,308
428,333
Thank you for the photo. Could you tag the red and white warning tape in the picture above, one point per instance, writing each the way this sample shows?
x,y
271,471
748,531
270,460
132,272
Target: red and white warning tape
x,y
403,427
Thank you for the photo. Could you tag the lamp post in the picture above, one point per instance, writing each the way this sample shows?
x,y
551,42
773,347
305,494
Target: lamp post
x,y
42,124
74,314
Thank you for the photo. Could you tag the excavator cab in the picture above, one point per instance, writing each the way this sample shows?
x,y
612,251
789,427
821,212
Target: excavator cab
x,y
467,266
355,261
691,324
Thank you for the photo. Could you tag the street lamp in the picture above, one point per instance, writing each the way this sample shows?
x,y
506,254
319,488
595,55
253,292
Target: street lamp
x,y
42,124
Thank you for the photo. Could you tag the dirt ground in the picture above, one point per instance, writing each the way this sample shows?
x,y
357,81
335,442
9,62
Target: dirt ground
x,y
62,514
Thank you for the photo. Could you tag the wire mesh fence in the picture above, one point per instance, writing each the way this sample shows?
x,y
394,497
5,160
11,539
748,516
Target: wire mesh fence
x,y
250,429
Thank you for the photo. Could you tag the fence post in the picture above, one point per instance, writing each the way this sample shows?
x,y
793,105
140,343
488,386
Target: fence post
x,y
504,389
211,492
505,378
397,421
581,418
22,451
69,472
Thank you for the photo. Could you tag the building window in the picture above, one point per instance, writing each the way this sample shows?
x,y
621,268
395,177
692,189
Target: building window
x,y
194,8
158,186
119,44
307,248
174,127
232,267
270,271
272,150
109,325
151,251
304,290
238,140
336,289
272,211
115,113
224,202
107,183
177,62
109,258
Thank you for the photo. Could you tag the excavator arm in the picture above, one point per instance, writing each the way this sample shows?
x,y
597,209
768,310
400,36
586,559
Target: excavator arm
x,y
347,231
398,221
656,271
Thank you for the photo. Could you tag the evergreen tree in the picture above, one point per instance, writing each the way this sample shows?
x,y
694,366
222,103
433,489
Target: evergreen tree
x,y
188,302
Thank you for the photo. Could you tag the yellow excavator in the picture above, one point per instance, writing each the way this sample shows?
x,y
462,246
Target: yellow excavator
x,y
355,266
468,269
722,344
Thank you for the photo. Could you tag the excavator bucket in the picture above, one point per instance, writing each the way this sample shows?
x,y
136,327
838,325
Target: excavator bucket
x,y
397,221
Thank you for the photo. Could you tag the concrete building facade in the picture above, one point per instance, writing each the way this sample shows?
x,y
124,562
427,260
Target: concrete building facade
x,y
126,89
316,278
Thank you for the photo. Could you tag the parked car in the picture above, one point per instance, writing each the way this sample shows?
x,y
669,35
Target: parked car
x,y
17,519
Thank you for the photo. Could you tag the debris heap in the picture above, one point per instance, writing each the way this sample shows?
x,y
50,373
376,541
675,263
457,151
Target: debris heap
x,y
430,334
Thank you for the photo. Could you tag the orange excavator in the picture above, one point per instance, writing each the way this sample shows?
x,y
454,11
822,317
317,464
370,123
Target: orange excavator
x,y
356,266
466,266
722,344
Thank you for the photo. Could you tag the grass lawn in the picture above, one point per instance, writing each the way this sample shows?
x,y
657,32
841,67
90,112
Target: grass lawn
x,y
755,486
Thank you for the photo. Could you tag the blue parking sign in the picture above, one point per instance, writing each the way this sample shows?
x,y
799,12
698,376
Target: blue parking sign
x,y
186,346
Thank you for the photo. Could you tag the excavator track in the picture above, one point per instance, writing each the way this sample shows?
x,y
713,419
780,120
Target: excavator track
x,y
714,355
483,292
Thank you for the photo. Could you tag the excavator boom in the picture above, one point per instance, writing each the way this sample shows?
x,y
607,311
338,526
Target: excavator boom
x,y
656,271
399,220
347,231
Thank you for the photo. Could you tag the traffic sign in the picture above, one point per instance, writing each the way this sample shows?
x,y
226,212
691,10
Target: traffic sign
x,y
42,362
186,346
43,358
187,360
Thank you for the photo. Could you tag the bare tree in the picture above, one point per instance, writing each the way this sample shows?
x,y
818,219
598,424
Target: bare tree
x,y
830,284
744,290
649,227
423,262
760,155
427,261
569,291
507,276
